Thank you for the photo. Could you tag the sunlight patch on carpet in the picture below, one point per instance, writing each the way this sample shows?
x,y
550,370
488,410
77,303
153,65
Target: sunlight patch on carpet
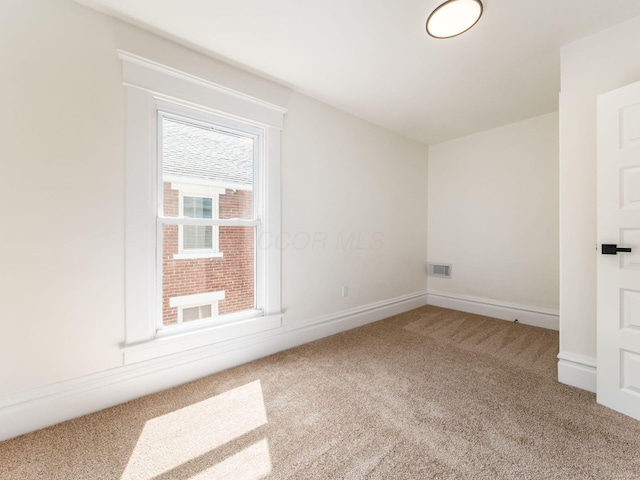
x,y
252,463
172,440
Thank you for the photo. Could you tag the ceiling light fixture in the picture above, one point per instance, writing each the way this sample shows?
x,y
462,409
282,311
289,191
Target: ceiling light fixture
x,y
454,17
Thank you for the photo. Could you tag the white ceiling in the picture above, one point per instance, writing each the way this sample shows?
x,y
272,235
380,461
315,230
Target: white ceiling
x,y
374,59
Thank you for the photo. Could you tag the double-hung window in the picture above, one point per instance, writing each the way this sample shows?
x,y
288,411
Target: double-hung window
x,y
209,170
202,195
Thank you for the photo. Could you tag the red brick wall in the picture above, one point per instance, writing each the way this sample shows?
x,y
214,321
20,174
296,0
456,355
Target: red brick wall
x,y
237,272
233,273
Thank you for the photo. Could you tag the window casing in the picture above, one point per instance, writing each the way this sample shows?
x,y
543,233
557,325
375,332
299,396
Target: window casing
x,y
154,89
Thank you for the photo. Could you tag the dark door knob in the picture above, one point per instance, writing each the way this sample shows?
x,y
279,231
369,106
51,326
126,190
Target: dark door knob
x,y
611,249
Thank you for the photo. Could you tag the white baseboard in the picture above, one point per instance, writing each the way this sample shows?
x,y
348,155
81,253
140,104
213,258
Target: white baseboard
x,y
577,370
41,407
535,316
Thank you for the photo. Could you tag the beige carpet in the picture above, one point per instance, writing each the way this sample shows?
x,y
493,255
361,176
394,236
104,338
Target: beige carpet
x,y
431,393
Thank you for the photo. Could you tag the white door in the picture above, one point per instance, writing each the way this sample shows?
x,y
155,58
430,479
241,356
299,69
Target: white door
x,y
619,271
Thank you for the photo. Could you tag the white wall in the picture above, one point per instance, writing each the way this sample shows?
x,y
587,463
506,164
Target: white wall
x,y
493,214
354,211
591,66
62,201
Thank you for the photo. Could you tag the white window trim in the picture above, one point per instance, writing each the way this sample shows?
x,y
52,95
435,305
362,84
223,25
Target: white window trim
x,y
200,191
152,87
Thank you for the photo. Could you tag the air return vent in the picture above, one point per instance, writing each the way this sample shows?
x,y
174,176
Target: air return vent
x,y
440,270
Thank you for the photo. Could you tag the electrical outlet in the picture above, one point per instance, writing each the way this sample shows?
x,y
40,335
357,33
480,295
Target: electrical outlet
x,y
345,291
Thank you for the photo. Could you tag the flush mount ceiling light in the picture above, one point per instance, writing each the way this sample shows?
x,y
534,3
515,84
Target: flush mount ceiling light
x,y
453,18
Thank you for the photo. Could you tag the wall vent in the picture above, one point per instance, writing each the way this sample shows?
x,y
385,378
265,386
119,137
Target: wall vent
x,y
442,270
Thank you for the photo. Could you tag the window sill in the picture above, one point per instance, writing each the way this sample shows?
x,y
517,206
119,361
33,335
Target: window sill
x,y
179,342
197,256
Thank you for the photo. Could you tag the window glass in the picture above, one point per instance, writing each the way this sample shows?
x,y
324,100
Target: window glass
x,y
197,207
207,180
197,237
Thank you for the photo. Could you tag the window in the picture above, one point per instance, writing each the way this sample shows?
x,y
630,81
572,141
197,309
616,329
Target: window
x,y
194,201
197,238
202,190
188,314
209,216
196,307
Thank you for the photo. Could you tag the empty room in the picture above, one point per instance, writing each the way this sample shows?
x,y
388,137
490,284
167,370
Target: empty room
x,y
320,240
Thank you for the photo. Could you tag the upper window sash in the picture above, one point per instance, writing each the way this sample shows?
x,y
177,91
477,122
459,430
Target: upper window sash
x,y
224,125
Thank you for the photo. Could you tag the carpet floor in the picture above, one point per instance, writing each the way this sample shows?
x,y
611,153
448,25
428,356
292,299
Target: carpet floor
x,y
428,394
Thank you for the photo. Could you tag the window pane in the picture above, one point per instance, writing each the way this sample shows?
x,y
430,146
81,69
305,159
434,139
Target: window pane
x,y
205,210
189,314
212,168
205,311
197,207
197,237
189,207
233,274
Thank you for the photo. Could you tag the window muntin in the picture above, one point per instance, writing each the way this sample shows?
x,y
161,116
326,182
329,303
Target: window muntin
x,y
215,214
